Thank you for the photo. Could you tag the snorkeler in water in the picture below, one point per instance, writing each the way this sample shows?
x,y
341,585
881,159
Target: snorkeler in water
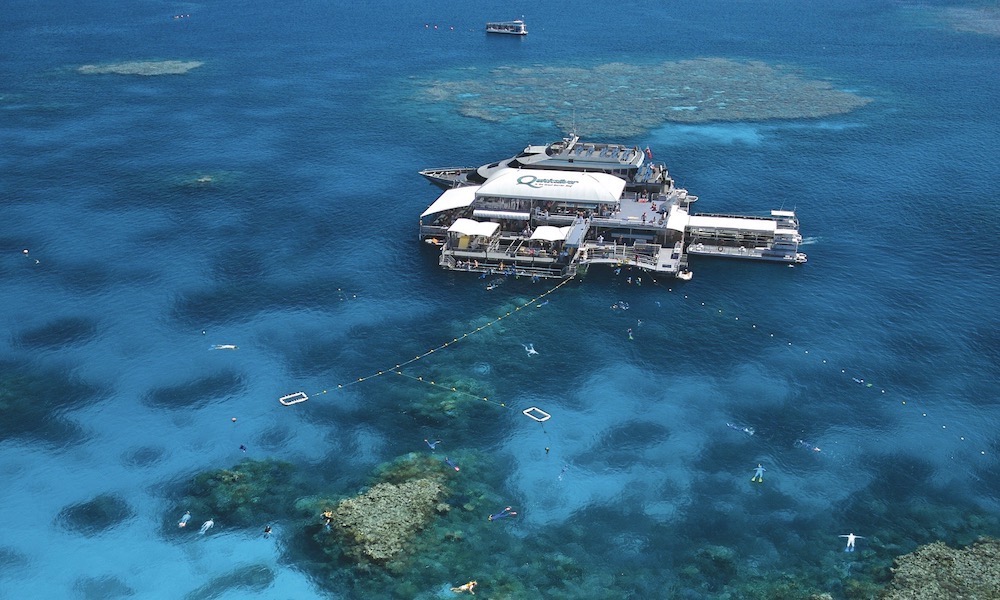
x,y
432,445
758,474
225,347
503,514
745,429
530,349
184,520
467,587
448,462
206,526
850,541
807,445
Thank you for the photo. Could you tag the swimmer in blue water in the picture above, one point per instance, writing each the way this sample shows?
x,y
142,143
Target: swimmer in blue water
x,y
433,445
850,541
448,462
503,514
758,474
742,428
530,349
630,334
206,526
542,304
184,520
807,445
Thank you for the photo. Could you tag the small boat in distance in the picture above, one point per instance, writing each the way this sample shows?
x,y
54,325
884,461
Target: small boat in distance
x,y
507,27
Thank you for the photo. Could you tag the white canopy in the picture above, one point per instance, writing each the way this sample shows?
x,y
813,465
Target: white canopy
x,y
453,198
732,223
565,186
550,234
501,214
470,227
678,219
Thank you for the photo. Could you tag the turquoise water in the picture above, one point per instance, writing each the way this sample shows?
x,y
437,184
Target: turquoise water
x,y
300,248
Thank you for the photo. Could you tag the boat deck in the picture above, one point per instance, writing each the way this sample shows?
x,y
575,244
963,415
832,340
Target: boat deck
x,y
769,254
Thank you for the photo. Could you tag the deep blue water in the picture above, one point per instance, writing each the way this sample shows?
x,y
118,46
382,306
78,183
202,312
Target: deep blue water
x,y
302,252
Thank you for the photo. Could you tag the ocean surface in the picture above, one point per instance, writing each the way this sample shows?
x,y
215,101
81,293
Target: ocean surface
x,y
268,198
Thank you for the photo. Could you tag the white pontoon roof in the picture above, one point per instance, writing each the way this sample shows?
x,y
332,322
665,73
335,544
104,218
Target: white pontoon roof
x,y
550,234
536,184
470,227
453,198
678,219
501,214
707,222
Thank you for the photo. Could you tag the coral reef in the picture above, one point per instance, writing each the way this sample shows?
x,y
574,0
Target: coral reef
x,y
107,587
198,391
984,20
937,571
34,405
249,494
94,516
60,332
142,67
244,580
378,524
623,99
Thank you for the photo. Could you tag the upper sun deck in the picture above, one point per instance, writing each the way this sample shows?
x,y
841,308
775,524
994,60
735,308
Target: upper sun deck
x,y
572,151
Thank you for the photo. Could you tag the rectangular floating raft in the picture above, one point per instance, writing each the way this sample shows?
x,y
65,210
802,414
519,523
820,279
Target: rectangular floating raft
x,y
292,399
537,414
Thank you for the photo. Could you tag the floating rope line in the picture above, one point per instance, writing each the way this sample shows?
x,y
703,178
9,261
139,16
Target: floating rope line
x,y
298,397
452,389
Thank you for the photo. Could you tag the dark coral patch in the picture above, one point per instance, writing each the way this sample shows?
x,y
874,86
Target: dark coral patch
x,y
199,391
64,331
32,405
102,588
96,516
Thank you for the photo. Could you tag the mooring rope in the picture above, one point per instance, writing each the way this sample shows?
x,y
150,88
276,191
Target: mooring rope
x,y
397,369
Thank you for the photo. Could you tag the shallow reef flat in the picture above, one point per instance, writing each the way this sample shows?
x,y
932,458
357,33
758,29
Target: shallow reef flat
x,y
937,571
976,19
627,99
142,67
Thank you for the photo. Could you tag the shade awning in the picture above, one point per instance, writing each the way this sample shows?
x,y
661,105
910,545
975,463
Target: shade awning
x,y
470,227
731,223
501,214
678,219
453,198
582,188
549,233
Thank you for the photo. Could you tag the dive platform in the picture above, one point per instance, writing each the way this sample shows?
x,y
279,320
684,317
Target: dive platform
x,y
555,224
